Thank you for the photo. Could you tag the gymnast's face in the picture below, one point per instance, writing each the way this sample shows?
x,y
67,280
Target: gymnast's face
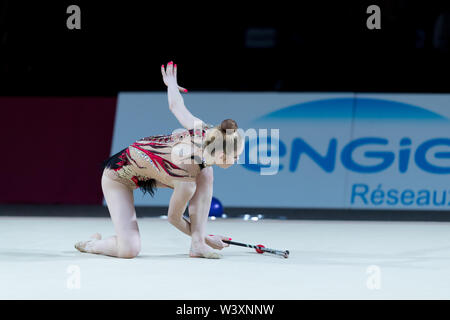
x,y
219,156
224,162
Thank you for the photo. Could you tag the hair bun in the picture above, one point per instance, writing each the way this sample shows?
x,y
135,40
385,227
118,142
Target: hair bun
x,y
228,124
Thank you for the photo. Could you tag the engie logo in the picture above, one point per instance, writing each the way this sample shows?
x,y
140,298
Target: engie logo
x,y
428,156
402,146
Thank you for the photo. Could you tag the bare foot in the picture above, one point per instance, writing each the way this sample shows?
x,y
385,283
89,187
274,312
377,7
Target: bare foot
x,y
201,250
86,246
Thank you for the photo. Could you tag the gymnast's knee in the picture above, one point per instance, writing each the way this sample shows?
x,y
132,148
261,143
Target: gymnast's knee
x,y
206,176
173,220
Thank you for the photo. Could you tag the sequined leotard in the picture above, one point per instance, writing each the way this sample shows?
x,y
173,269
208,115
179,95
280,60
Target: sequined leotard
x,y
158,158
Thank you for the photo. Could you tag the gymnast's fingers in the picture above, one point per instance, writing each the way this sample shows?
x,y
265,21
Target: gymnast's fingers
x,y
169,69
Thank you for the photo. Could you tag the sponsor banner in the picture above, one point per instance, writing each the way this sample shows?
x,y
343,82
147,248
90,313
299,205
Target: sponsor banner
x,y
334,150
399,155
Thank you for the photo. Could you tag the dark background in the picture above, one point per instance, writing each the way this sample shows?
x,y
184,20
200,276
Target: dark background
x,y
312,46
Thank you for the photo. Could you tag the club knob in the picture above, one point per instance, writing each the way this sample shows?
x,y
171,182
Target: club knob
x,y
260,246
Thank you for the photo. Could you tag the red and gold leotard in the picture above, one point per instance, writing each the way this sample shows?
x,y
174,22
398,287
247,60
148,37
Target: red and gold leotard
x,y
156,159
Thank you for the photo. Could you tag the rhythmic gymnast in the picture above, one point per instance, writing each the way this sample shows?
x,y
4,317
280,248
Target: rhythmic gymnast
x,y
181,161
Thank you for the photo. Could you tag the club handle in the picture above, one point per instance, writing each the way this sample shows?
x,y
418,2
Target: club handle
x,y
284,253
238,243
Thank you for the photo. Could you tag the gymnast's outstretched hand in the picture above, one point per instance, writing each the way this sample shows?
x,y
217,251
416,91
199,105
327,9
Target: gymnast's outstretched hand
x,y
215,241
169,75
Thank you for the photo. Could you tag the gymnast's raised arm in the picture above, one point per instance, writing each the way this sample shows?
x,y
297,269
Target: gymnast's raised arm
x,y
176,102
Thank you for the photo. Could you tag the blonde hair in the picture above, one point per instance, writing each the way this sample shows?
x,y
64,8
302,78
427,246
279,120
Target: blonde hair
x,y
228,131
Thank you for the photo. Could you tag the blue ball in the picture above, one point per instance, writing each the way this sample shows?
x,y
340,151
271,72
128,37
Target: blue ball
x,y
216,209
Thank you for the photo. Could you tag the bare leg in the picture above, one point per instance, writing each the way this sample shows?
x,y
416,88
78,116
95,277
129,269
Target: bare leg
x,y
183,193
126,243
199,207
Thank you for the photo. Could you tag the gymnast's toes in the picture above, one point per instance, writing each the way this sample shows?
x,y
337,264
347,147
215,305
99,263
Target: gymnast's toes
x,y
83,246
